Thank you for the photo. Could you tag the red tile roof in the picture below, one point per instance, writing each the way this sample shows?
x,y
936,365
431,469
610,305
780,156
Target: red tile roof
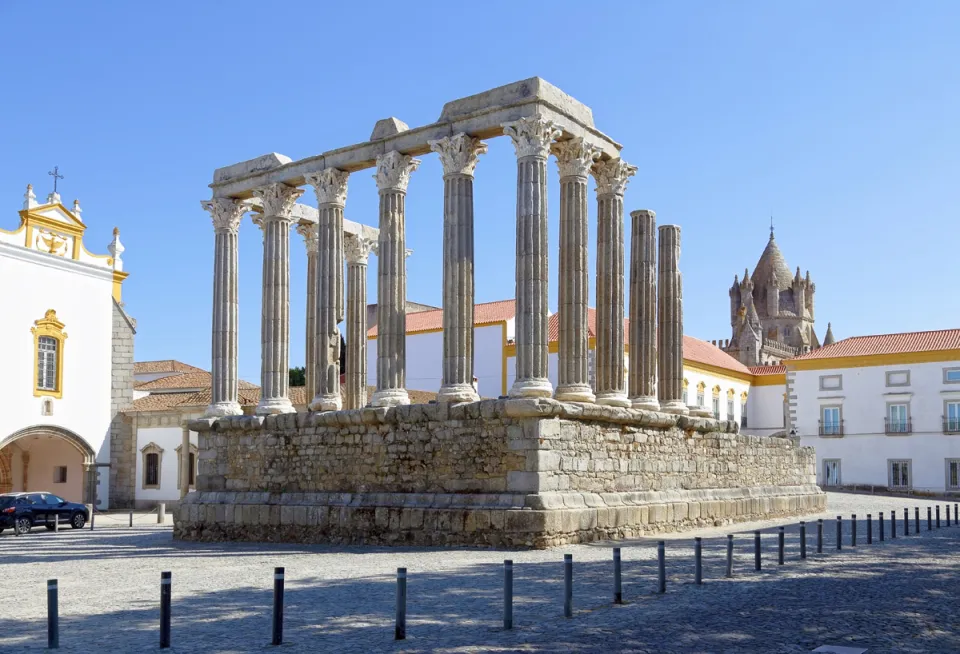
x,y
483,314
908,342
697,351
200,379
168,365
760,371
248,397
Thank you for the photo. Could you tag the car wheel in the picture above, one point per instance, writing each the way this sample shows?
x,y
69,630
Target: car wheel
x,y
24,524
78,520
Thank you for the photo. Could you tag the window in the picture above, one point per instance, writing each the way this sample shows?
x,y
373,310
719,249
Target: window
x,y
53,500
951,417
953,474
191,467
830,422
716,408
152,460
48,339
686,394
831,472
60,475
831,382
743,413
951,375
46,406
898,421
898,378
730,411
701,389
898,473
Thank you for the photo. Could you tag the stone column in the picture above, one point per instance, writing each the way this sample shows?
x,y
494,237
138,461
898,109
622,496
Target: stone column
x,y
459,154
643,312
331,188
226,214
278,202
309,233
670,322
532,137
357,250
185,462
574,159
393,176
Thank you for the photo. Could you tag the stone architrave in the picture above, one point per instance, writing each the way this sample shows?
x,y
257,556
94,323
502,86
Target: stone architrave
x,y
393,176
458,154
278,202
357,251
643,311
575,157
331,189
309,233
611,177
226,214
670,322
532,137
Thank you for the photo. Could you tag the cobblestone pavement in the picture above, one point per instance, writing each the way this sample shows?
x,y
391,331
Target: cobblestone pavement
x,y
898,596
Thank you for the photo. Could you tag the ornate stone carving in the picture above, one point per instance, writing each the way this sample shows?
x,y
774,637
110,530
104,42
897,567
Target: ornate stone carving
x,y
357,249
612,176
393,171
226,213
311,236
330,186
257,219
532,136
278,200
458,153
575,157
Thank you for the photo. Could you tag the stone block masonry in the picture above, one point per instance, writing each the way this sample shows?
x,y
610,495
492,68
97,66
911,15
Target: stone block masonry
x,y
507,473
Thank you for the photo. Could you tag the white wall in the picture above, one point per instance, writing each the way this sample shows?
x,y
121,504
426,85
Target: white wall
x,y
765,410
168,439
864,448
31,283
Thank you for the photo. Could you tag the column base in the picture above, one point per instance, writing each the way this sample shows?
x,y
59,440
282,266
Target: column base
x,y
390,397
645,403
613,398
575,393
531,388
221,409
272,406
457,393
674,406
700,412
326,403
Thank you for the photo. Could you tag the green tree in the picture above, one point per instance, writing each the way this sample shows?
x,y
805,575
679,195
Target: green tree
x,y
298,376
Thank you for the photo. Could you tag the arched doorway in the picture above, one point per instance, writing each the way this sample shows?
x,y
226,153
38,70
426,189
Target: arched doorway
x,y
48,458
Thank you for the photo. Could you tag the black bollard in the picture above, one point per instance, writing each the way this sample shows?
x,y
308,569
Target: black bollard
x,y
508,593
929,520
893,524
956,514
661,567
729,555
916,519
803,539
756,550
839,532
869,529
165,582
277,606
938,516
568,585
131,518
906,521
53,616
880,526
948,515
698,560
820,536
617,588
400,630
853,530
780,537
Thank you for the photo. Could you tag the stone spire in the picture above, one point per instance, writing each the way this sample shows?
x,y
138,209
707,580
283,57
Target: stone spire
x,y
772,264
29,198
77,210
828,338
116,250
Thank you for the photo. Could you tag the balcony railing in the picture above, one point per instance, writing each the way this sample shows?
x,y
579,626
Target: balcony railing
x,y
831,428
951,425
897,426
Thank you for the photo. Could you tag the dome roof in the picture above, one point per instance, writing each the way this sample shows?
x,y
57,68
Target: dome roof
x,y
772,262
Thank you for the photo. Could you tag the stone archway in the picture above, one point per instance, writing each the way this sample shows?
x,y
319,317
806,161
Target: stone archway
x,y
41,449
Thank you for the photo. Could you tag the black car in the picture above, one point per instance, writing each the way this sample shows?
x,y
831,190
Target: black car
x,y
27,510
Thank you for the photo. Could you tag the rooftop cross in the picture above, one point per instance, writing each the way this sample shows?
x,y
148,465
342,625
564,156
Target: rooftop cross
x,y
55,173
771,226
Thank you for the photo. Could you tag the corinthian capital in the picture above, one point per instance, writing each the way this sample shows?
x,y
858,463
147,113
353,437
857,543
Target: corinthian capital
x,y
532,136
357,249
393,171
278,200
612,176
226,213
575,157
458,153
330,186
311,236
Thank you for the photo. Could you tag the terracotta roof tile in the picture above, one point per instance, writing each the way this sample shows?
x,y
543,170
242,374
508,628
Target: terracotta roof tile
x,y
861,346
160,402
483,314
201,379
761,371
169,365
249,397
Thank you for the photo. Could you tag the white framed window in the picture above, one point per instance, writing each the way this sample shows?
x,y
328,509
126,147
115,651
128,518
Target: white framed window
x,y
951,417
831,423
700,396
60,474
898,378
831,472
47,363
899,474
951,375
953,474
743,413
686,393
716,408
191,466
152,459
898,418
730,410
831,382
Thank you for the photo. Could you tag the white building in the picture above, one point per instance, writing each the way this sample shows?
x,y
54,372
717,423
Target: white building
x,y
66,355
881,410
766,409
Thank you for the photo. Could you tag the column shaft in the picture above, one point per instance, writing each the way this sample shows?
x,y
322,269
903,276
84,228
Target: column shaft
x,y
610,341
670,322
643,311
309,233
356,375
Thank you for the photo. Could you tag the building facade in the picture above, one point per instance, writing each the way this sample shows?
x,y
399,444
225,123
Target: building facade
x,y
66,355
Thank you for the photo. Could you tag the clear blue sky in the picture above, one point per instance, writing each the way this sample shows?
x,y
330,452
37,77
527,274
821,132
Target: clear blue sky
x,y
842,119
